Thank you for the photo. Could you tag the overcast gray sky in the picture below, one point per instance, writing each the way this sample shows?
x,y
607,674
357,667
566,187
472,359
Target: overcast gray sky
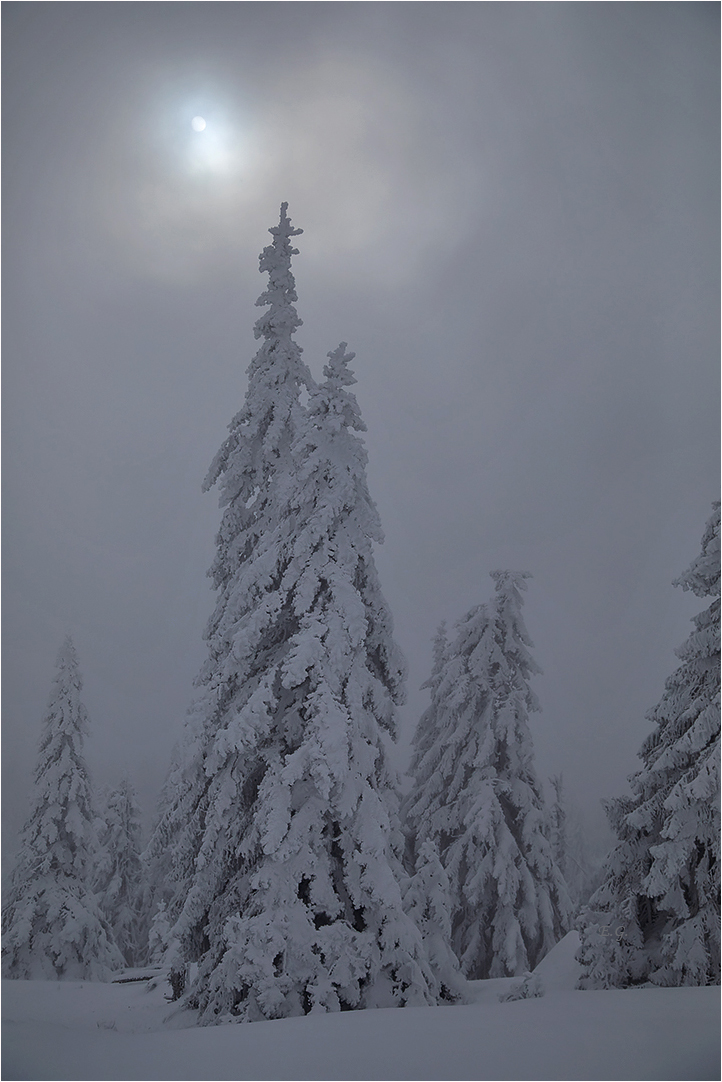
x,y
510,213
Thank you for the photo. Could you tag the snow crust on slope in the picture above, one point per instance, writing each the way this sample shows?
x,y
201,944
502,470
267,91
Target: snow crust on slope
x,y
62,1030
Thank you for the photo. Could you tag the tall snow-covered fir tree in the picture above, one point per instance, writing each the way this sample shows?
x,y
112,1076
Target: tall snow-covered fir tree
x,y
656,915
476,796
53,926
283,818
119,874
209,797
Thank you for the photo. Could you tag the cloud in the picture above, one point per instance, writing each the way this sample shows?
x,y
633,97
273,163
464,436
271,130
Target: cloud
x,y
350,143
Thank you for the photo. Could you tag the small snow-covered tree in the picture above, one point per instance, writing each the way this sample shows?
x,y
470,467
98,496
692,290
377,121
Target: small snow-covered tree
x,y
558,824
477,798
119,875
53,926
159,935
427,892
661,886
283,817
583,865
427,730
427,900
160,884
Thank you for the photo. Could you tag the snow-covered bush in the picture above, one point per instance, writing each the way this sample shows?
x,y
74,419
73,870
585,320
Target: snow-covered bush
x,y
530,987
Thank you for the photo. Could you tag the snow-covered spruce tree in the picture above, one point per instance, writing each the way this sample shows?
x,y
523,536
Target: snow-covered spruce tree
x,y
558,824
568,846
119,875
427,900
476,796
159,935
209,797
582,870
52,923
160,885
427,896
655,916
287,852
427,730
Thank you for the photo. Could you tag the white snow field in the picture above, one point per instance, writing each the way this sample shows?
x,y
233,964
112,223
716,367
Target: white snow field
x,y
79,1030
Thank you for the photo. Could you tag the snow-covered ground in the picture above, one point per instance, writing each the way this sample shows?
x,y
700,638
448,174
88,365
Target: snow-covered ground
x,y
83,1030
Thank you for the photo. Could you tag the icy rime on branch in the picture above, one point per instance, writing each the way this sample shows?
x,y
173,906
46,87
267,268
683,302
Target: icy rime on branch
x,y
282,813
